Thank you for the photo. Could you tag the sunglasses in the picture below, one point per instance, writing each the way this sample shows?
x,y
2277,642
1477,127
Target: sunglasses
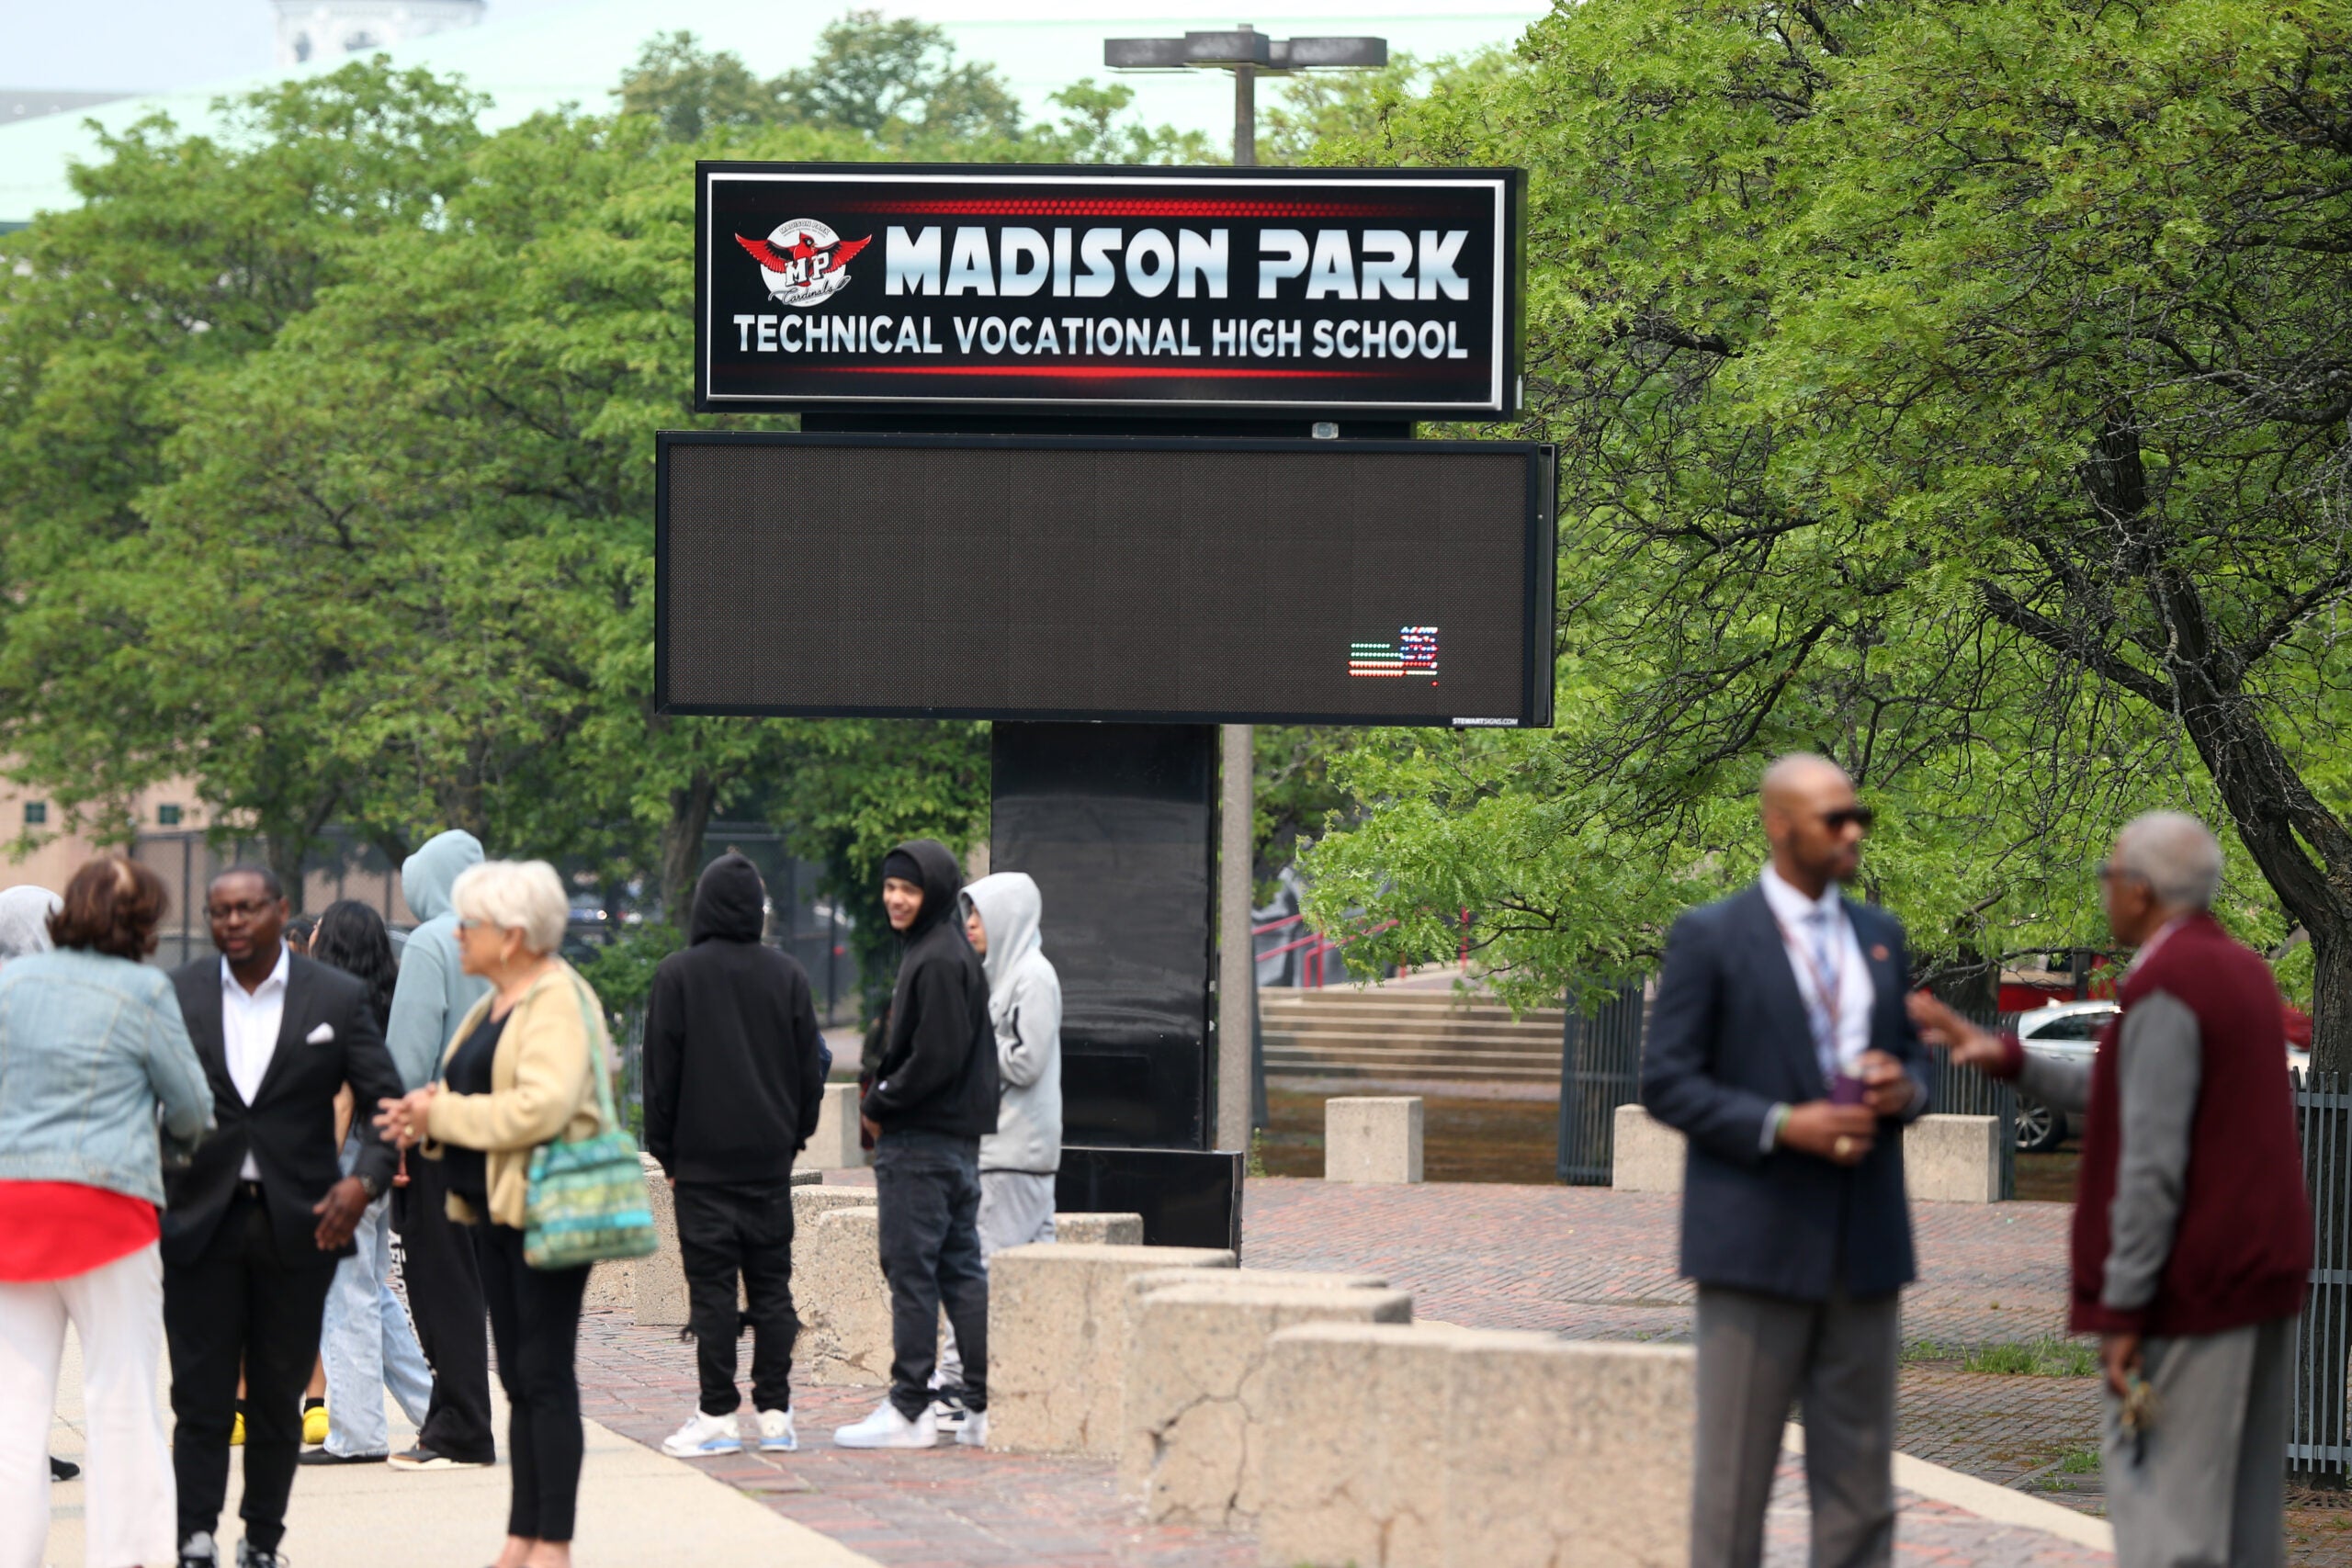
x,y
1860,816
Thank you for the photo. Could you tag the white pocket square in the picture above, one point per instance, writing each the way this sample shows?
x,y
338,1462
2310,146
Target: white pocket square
x,y
320,1035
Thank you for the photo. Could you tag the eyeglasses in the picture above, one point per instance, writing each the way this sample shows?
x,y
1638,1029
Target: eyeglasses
x,y
1857,816
466,925
231,911
2107,871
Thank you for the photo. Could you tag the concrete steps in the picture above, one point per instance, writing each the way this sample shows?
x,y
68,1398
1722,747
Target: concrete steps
x,y
1407,1035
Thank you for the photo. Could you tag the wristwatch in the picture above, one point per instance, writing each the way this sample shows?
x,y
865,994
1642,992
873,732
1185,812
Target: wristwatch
x,y
371,1185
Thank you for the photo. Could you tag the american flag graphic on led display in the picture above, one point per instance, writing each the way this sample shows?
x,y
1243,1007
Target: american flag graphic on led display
x,y
1413,653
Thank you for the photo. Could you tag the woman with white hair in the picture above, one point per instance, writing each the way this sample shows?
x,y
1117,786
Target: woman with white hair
x,y
518,1072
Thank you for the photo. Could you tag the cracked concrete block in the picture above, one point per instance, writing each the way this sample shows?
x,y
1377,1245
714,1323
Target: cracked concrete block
x,y
1099,1230
654,1286
843,1301
1356,1446
1571,1452
1952,1159
834,1146
1373,1138
1058,1341
1647,1155
1144,1282
1197,1391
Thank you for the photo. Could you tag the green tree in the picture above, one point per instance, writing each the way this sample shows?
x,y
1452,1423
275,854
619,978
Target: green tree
x,y
1957,391
898,80
693,91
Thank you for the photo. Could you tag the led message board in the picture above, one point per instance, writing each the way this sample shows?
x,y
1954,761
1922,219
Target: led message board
x,y
1404,582
1387,292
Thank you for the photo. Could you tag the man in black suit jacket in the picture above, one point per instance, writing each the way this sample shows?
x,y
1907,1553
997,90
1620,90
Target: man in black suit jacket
x,y
1780,1048
253,1225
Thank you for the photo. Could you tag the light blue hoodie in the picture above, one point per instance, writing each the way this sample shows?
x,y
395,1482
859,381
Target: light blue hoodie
x,y
432,992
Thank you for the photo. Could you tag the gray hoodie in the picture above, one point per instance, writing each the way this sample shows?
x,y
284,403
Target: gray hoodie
x,y
432,992
1026,1009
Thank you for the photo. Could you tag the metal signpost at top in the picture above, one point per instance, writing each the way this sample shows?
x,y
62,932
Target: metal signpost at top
x,y
1065,435
1248,54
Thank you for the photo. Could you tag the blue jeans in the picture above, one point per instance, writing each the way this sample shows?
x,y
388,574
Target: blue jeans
x,y
367,1344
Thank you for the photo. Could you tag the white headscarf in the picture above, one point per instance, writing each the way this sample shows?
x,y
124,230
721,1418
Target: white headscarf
x,y
23,920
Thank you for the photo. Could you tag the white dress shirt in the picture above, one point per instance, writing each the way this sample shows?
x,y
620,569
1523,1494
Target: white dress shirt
x,y
249,1026
1811,928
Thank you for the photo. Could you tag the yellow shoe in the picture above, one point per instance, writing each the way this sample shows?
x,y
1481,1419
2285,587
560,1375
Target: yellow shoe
x,y
237,1432
314,1425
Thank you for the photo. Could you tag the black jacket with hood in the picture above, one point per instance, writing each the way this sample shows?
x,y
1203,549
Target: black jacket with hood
x,y
734,1065
938,1069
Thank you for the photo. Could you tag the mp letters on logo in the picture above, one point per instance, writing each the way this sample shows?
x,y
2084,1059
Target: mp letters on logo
x,y
803,262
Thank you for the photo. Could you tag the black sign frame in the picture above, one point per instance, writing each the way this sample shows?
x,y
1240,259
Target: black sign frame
x,y
1503,347
1536,611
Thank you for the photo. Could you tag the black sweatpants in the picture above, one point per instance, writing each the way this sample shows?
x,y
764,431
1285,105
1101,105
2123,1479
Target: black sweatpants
x,y
241,1302
724,1233
534,1320
927,1186
445,1302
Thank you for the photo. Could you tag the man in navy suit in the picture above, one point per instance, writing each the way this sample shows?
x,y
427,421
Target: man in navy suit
x,y
1780,1048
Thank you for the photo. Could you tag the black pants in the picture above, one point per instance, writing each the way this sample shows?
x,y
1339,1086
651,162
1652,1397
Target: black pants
x,y
535,1319
242,1304
724,1233
928,1187
445,1302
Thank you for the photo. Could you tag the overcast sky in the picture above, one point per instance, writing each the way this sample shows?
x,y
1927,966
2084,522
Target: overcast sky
x,y
149,45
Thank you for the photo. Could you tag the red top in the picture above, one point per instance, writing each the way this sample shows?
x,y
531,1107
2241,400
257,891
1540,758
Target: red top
x,y
2242,1250
54,1230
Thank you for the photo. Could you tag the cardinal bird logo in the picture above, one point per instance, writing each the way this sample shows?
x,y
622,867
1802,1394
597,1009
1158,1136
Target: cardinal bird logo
x,y
804,263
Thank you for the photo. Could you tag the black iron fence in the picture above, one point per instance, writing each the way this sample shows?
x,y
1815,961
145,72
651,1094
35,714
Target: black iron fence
x,y
2319,1433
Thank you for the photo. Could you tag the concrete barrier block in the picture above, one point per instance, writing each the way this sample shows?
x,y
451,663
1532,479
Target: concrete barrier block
x,y
1372,1139
1647,1155
834,1146
1197,1384
1952,1159
1058,1341
843,1301
1568,1452
1356,1445
1099,1230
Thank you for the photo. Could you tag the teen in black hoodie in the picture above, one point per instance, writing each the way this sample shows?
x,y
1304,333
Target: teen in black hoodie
x,y
734,1076
934,1094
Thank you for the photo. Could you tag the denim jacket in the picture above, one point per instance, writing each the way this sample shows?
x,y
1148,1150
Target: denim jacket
x,y
90,1047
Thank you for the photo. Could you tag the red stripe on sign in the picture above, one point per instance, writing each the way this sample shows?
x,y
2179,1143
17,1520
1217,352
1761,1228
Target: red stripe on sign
x,y
1137,207
1093,372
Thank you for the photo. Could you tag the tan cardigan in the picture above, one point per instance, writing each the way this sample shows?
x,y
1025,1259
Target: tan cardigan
x,y
539,1088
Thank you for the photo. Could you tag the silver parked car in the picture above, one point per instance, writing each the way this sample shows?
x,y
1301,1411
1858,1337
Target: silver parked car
x,y
2069,1031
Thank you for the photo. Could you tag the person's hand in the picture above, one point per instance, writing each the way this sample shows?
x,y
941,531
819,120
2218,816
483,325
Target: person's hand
x,y
870,1127
1838,1134
339,1212
1970,1046
404,1121
2120,1354
1886,1088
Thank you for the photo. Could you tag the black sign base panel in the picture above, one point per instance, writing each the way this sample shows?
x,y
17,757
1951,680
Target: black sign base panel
x,y
1187,1197
1117,824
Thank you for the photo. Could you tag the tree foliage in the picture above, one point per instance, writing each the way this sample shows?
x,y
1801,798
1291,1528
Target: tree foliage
x,y
1957,390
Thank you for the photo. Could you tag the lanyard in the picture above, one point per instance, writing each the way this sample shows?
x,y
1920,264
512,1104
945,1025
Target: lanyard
x,y
1827,989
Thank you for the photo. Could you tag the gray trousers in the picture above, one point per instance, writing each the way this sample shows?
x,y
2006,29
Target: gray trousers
x,y
1016,1208
2206,1490
1758,1355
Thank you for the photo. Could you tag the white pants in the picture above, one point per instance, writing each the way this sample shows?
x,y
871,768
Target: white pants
x,y
1016,1208
131,1505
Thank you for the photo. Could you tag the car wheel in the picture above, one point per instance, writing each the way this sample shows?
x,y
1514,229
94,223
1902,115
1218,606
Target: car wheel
x,y
2040,1128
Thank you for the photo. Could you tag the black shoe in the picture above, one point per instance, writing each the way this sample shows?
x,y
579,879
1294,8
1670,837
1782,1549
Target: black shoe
x,y
422,1458
320,1456
198,1551
251,1556
62,1469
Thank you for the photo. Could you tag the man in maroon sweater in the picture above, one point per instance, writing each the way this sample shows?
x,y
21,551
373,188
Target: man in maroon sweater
x,y
2192,1236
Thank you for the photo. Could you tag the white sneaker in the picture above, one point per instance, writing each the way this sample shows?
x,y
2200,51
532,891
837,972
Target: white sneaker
x,y
704,1436
885,1428
974,1432
947,1410
776,1435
